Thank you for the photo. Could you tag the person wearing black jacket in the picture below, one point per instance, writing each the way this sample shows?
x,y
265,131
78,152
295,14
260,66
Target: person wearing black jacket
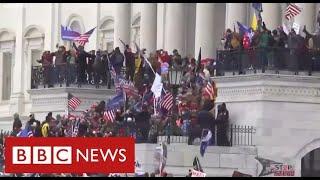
x,y
82,63
106,76
143,121
60,63
206,118
222,122
293,41
16,125
90,69
116,60
98,68
130,64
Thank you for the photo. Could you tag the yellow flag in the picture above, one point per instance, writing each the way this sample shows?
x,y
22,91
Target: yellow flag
x,y
254,23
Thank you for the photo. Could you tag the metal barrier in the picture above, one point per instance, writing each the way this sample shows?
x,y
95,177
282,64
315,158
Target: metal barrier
x,y
239,61
173,139
241,135
69,75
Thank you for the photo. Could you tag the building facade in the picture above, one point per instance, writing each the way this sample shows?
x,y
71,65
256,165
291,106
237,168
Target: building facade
x,y
33,28
26,30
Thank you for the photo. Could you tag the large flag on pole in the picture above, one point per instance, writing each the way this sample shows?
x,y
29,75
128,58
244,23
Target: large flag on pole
x,y
116,102
128,87
205,140
243,28
157,86
68,34
292,10
167,101
73,102
254,23
25,133
109,115
257,6
84,38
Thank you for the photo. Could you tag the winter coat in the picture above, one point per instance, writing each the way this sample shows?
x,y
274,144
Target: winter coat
x,y
205,119
97,64
264,40
61,57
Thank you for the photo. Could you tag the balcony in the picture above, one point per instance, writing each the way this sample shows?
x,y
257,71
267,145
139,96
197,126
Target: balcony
x,y
68,75
269,60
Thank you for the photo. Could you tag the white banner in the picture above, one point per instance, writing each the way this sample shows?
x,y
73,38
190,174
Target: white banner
x,y
197,174
296,28
157,86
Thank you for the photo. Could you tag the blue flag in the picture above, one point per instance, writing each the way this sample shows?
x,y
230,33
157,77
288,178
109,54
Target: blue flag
x,y
25,133
116,102
147,98
243,28
205,140
68,34
257,6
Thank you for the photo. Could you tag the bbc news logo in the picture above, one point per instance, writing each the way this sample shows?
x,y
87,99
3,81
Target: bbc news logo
x,y
69,155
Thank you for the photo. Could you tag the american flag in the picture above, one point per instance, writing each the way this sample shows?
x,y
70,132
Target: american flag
x,y
76,129
30,134
113,72
84,38
25,133
291,11
73,102
127,86
109,115
209,89
167,101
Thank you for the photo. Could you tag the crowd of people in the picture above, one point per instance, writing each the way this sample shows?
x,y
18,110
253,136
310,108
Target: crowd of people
x,y
76,66
137,116
269,49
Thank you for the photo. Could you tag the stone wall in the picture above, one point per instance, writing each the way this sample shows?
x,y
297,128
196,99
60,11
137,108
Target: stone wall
x,y
284,109
217,161
56,99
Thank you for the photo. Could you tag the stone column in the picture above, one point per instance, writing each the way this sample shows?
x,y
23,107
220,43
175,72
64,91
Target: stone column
x,y
175,28
236,12
148,27
98,25
204,30
306,17
17,96
271,15
316,16
122,26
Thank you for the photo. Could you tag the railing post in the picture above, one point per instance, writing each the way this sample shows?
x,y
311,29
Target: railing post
x,y
251,135
241,137
231,134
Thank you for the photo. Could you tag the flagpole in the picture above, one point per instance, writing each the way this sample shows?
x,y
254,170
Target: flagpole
x,y
154,105
68,106
125,100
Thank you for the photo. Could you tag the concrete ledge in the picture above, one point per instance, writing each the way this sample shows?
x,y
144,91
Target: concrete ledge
x,y
217,161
